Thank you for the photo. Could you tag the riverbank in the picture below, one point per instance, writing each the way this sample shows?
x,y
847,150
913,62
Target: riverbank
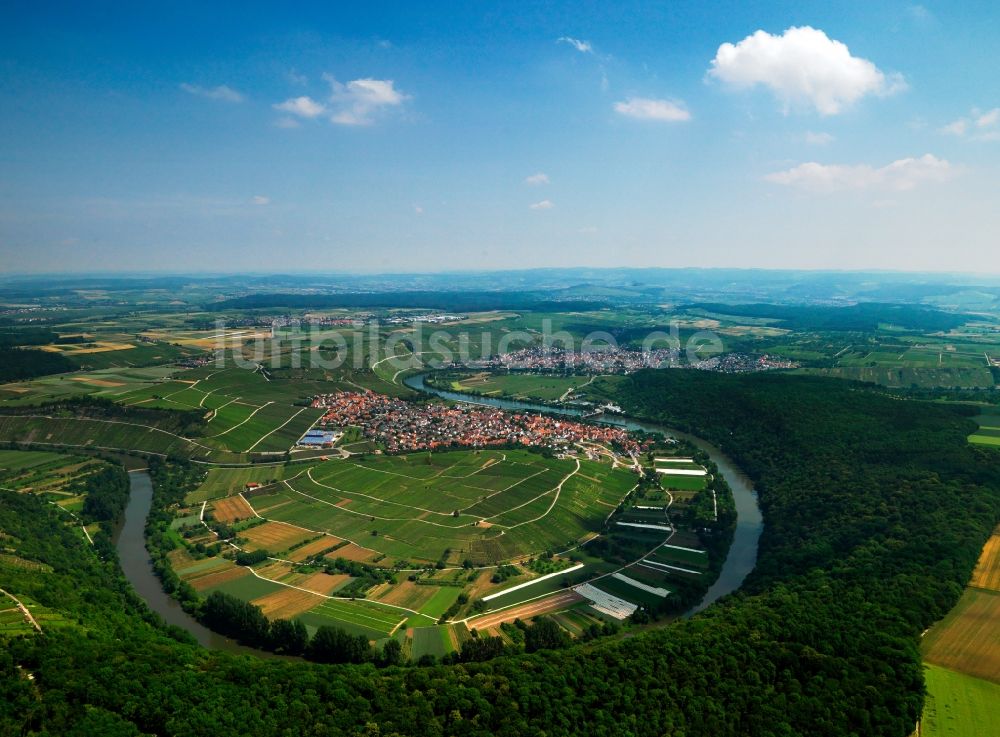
x,y
130,542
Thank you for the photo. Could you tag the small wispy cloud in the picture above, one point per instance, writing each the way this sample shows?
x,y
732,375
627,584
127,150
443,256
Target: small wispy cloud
x,y
584,47
818,139
645,108
261,200
360,101
543,205
537,179
920,13
979,125
222,92
418,210
303,107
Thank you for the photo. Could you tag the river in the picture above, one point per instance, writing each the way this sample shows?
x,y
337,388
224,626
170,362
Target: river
x,y
742,556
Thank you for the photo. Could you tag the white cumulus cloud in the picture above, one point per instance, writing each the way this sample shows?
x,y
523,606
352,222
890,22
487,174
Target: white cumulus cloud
x,y
536,179
645,108
900,175
543,205
358,102
222,92
304,107
584,47
802,67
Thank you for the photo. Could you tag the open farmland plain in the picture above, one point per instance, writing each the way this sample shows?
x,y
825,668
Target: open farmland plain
x,y
425,535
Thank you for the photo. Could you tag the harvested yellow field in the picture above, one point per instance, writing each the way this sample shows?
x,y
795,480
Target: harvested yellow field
x,y
96,347
987,573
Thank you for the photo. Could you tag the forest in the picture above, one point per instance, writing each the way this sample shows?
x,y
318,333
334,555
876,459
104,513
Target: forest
x,y
875,510
17,364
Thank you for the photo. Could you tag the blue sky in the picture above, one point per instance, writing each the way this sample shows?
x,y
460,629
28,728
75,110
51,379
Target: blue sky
x,y
440,136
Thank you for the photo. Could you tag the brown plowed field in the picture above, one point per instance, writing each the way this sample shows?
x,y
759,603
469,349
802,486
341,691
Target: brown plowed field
x,y
312,548
525,612
323,583
353,552
231,509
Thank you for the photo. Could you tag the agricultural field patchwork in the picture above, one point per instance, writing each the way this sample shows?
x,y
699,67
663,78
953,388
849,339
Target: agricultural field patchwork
x,y
485,506
967,639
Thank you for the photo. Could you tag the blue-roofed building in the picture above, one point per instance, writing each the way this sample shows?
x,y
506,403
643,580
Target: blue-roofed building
x,y
319,438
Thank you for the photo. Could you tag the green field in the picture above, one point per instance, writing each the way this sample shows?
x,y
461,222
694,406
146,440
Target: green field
x,y
430,641
221,482
683,483
521,386
443,598
989,429
958,705
247,587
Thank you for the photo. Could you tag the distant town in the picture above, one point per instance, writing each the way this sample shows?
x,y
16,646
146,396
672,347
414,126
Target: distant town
x,y
407,426
623,361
